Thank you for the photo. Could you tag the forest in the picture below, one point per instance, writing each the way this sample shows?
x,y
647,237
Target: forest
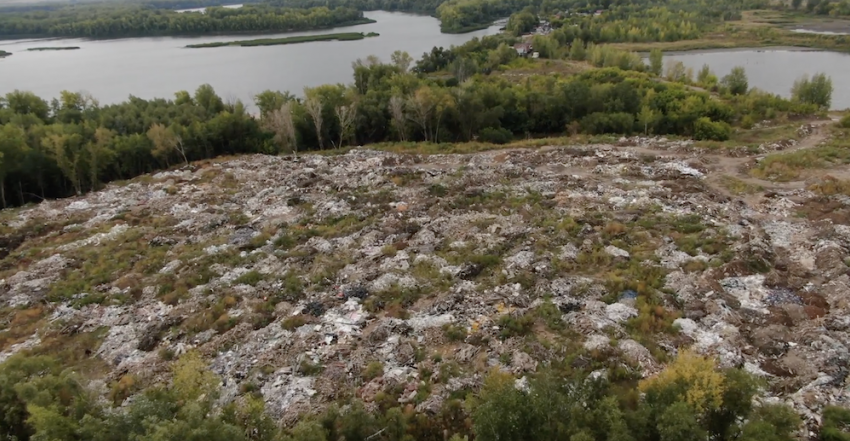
x,y
127,21
691,399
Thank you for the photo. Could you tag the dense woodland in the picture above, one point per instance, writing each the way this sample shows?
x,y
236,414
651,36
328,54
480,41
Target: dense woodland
x,y
622,21
690,400
126,21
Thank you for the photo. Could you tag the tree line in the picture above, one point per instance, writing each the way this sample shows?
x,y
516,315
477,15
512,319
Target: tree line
x,y
692,399
108,21
73,144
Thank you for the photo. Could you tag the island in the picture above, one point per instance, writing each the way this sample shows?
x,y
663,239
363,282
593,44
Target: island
x,y
345,36
61,48
4,54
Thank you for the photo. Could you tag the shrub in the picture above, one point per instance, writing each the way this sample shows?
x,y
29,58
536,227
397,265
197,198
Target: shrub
x,y
373,370
817,90
493,135
845,122
708,130
454,333
515,326
250,278
736,81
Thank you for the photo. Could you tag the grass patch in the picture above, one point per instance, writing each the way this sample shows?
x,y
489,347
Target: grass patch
x,y
784,167
250,278
830,186
739,187
343,36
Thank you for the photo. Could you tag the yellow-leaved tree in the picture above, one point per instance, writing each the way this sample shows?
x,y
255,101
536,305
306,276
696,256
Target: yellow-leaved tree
x,y
692,379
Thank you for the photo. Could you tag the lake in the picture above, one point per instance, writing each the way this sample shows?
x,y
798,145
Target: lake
x,y
157,67
776,70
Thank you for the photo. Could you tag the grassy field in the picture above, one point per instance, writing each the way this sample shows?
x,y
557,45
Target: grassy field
x,y
792,166
346,36
755,29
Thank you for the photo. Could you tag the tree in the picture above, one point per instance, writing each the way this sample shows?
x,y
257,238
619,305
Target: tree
x,y
678,423
269,101
13,147
521,23
421,106
67,151
398,117
647,118
736,81
817,90
577,50
280,122
676,71
345,115
706,77
314,108
99,150
402,60
656,61
166,142
795,4
462,68
691,379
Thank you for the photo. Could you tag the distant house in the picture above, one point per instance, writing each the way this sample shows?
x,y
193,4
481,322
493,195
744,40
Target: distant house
x,y
598,13
523,49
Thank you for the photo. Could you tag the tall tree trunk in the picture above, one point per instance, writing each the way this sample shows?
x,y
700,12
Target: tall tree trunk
x,y
3,192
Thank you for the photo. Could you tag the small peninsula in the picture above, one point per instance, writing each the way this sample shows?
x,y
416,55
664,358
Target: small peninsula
x,y
346,36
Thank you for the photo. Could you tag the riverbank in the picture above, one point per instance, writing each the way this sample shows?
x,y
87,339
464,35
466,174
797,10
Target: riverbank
x,y
346,36
64,48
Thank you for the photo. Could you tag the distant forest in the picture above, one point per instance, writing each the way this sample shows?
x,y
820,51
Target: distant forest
x,y
101,21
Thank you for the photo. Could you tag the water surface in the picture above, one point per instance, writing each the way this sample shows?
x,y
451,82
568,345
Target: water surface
x,y
157,67
776,70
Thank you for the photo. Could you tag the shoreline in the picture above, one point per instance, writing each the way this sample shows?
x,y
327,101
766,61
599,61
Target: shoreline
x,y
782,48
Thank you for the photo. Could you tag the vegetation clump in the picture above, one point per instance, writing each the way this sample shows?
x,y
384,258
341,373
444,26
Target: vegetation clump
x,y
347,36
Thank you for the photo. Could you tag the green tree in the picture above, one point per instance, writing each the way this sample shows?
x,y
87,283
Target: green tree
x,y
521,23
13,148
647,118
678,423
736,81
402,60
656,62
817,90
577,50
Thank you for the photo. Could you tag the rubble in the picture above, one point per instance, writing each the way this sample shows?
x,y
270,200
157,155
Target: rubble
x,y
411,261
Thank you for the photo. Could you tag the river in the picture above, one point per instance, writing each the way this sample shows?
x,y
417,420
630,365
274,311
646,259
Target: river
x,y
776,70
157,67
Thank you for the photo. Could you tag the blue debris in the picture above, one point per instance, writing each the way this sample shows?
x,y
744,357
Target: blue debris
x,y
628,294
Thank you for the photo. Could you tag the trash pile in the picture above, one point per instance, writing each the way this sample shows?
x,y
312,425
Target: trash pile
x,y
368,272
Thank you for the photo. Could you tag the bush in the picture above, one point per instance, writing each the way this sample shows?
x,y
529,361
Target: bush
x,y
817,90
845,122
493,135
736,81
597,123
708,130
